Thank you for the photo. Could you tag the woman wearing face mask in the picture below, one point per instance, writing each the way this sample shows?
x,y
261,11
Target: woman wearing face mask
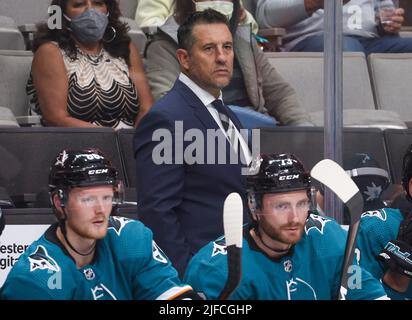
x,y
255,84
87,73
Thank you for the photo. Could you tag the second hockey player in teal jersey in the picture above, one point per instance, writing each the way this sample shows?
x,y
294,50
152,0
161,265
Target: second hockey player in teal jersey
x,y
286,255
384,242
90,255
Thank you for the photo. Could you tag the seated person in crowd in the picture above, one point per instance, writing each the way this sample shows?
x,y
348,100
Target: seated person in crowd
x,y
303,20
155,12
255,82
384,242
89,254
287,253
87,73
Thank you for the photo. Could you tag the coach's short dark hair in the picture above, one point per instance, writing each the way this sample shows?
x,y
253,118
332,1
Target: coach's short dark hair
x,y
185,32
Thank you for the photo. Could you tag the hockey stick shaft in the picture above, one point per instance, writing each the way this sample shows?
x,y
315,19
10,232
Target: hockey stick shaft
x,y
232,223
335,178
234,255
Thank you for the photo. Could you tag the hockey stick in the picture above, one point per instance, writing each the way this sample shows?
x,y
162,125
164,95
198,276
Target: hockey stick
x,y
336,179
232,223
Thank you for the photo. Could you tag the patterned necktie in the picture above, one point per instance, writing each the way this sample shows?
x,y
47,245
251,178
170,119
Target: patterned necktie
x,y
228,125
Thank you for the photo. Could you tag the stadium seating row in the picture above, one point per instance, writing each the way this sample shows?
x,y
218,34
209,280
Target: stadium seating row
x,y
375,92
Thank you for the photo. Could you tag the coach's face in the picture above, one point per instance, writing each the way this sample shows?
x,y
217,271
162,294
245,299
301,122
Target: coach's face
x,y
209,62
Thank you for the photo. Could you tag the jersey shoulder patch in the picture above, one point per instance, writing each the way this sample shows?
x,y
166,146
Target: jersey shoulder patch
x,y
316,223
118,223
219,247
40,259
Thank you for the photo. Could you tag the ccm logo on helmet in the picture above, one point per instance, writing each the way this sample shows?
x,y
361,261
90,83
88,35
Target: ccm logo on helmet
x,y
98,171
290,177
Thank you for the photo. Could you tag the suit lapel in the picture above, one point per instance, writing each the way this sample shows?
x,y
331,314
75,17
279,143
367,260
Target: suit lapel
x,y
199,110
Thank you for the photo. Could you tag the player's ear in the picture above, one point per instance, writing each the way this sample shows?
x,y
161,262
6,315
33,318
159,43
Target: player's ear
x,y
57,204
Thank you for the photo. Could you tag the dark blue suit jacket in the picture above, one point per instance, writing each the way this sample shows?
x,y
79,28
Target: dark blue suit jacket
x,y
182,202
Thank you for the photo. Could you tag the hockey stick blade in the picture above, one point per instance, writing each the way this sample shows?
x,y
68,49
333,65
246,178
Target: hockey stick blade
x,y
336,179
232,223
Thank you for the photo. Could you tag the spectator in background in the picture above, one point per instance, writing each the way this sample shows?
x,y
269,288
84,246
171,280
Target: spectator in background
x,y
155,12
303,20
87,73
255,83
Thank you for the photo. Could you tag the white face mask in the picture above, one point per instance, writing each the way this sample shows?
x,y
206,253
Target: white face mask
x,y
224,7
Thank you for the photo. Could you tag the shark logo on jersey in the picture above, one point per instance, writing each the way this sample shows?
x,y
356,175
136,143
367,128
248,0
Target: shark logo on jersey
x,y
380,214
118,223
89,274
315,222
219,248
40,259
298,289
158,253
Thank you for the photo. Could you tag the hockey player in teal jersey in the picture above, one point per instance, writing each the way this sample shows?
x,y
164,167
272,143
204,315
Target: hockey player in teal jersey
x,y
286,255
88,254
384,242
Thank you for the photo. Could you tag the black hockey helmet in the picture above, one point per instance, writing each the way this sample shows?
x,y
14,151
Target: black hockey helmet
x,y
370,178
407,171
81,168
275,173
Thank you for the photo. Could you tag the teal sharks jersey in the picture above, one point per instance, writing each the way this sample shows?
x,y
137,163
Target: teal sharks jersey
x,y
128,265
375,230
310,271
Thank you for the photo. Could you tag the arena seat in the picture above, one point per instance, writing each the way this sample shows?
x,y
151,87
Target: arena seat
x,y
391,78
397,141
10,36
7,118
27,154
304,71
25,11
128,8
136,34
15,67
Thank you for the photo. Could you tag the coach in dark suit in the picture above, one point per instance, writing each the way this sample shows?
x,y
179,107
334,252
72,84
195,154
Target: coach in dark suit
x,y
183,175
